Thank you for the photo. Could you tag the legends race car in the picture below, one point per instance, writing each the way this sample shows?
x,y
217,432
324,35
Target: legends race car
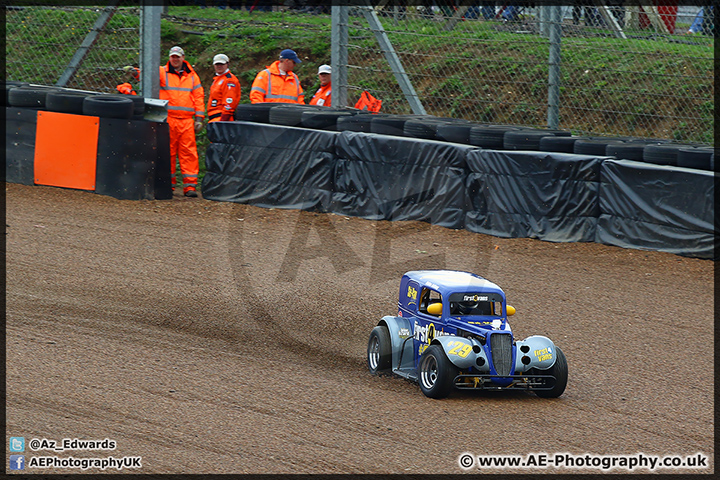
x,y
451,331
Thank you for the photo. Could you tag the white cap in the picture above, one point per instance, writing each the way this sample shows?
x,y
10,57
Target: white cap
x,y
177,51
324,69
220,58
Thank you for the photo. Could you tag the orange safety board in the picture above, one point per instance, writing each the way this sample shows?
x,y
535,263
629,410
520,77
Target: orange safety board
x,y
66,150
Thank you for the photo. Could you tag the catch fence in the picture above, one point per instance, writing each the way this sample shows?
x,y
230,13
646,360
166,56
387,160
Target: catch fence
x,y
608,71
602,70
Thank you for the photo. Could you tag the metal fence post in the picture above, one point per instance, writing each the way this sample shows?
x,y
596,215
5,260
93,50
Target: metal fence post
x,y
150,49
339,55
90,39
553,116
392,58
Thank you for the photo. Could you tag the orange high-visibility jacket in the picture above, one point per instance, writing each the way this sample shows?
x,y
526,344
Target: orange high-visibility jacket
x,y
270,86
323,96
368,102
126,89
184,92
224,97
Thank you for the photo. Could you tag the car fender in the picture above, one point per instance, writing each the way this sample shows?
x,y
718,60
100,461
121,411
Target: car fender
x,y
535,351
461,351
400,331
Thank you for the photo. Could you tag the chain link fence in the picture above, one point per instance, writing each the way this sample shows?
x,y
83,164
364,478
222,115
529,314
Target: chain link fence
x,y
490,64
622,70
80,47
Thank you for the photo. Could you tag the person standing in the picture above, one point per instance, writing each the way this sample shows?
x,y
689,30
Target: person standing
x,y
277,83
180,85
224,92
324,94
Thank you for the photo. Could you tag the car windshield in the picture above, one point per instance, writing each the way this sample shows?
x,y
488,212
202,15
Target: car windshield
x,y
466,304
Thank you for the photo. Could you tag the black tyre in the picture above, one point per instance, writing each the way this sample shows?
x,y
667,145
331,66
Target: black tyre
x,y
632,150
436,374
529,139
424,126
489,136
108,106
595,146
289,114
10,85
322,119
356,123
379,350
560,371
695,157
389,124
138,102
663,153
254,112
456,132
65,102
29,97
559,144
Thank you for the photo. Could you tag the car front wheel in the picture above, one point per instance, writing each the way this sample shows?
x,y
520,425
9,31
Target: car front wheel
x,y
436,373
560,371
379,352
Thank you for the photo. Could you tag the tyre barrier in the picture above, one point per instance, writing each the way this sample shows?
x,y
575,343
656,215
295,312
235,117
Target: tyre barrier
x,y
553,196
96,137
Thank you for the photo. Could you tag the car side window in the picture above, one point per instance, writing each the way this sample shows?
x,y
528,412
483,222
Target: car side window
x,y
427,298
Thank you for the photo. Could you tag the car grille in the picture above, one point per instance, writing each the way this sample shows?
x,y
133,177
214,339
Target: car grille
x,y
501,348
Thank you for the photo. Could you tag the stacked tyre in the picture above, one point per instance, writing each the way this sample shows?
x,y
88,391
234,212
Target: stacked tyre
x,y
27,96
56,99
109,106
529,138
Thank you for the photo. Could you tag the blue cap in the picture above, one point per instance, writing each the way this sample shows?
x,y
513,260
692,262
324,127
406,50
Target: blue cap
x,y
291,55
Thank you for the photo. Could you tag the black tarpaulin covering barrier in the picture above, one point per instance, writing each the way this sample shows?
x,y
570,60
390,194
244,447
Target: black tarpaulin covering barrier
x,y
383,177
126,159
268,165
20,127
163,177
546,195
657,207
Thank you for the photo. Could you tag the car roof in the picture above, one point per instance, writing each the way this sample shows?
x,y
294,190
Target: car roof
x,y
449,281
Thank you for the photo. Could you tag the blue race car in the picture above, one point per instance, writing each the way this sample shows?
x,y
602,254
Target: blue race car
x,y
451,331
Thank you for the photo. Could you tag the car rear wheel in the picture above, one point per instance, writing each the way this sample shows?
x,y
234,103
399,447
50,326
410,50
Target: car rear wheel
x,y
379,353
436,373
560,371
